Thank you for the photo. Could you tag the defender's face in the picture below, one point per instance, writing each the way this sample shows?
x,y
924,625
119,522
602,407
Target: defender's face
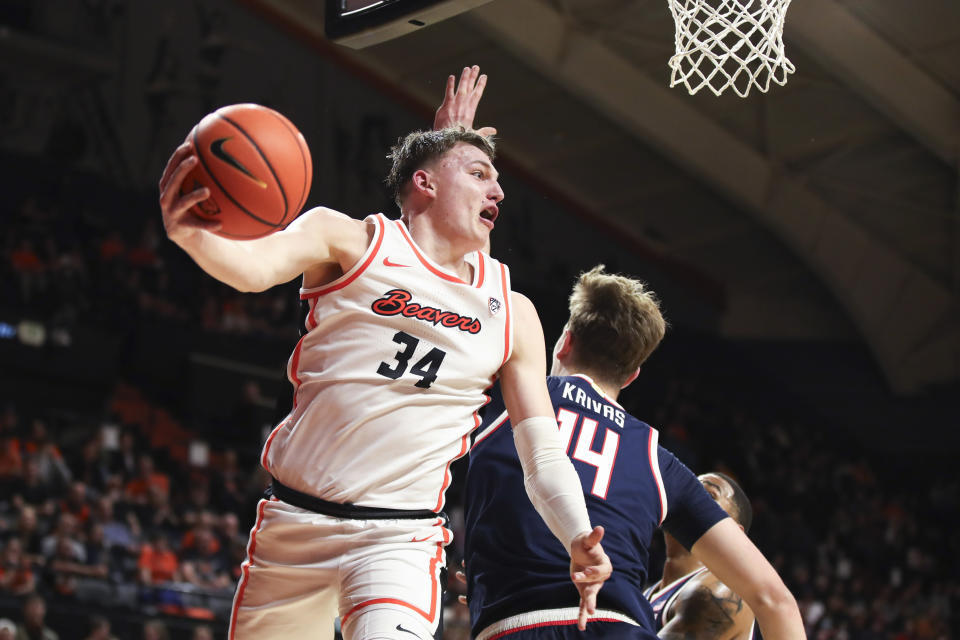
x,y
467,192
721,491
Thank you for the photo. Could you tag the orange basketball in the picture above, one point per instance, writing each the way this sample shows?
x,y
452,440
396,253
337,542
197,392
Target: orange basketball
x,y
257,167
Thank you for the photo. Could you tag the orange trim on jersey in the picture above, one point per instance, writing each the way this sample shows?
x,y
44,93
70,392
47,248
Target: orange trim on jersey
x,y
245,569
432,269
552,623
506,304
434,588
480,268
295,380
266,446
446,472
335,286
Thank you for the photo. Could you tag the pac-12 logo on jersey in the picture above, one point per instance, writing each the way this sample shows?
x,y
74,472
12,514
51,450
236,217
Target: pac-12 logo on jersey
x,y
397,302
494,306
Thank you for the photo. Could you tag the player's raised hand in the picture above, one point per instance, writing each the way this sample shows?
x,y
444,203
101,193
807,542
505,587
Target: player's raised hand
x,y
177,218
589,569
460,101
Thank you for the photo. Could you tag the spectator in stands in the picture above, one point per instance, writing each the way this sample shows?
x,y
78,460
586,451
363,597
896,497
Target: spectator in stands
x,y
204,565
123,460
117,532
157,513
8,629
76,502
16,574
27,531
202,632
32,489
34,625
39,446
158,563
99,629
66,531
91,464
155,630
11,462
138,488
67,567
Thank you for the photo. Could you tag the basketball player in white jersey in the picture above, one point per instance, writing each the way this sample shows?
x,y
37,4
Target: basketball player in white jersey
x,y
406,325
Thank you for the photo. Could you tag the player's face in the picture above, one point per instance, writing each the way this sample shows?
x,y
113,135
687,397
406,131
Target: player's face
x,y
720,490
467,193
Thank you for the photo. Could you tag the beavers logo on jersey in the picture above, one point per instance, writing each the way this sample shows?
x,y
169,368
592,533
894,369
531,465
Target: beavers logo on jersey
x,y
494,306
397,303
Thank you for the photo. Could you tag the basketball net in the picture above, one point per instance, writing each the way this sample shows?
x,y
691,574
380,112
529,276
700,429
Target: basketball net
x,y
723,44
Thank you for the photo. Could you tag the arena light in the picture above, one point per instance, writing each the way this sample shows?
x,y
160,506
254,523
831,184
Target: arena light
x,y
362,23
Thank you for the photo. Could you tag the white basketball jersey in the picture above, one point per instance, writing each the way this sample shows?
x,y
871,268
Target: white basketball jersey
x,y
390,374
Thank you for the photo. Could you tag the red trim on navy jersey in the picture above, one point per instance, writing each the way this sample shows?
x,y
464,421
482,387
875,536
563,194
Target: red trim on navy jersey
x,y
486,434
506,305
335,286
654,465
552,623
245,569
434,589
423,260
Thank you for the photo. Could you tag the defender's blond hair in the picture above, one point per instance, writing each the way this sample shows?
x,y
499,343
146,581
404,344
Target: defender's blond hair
x,y
615,322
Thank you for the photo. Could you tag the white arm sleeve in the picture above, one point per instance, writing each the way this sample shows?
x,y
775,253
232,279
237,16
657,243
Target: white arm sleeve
x,y
550,479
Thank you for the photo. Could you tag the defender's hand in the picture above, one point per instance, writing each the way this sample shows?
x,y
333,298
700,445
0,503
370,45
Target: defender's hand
x,y
589,569
459,104
178,221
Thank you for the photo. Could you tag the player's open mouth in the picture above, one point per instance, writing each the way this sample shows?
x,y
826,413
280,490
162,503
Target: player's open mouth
x,y
490,213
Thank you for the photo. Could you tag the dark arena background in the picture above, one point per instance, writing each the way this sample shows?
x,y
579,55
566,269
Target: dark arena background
x,y
805,243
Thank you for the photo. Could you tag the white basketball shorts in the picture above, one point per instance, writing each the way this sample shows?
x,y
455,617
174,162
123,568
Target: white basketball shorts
x,y
303,569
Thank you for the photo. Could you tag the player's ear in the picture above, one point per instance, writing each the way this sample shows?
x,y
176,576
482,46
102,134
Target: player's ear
x,y
631,378
422,182
565,345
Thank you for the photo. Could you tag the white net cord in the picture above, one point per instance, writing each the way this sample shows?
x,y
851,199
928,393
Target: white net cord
x,y
734,44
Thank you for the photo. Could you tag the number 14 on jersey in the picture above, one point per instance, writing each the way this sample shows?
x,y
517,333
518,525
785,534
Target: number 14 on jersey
x,y
603,461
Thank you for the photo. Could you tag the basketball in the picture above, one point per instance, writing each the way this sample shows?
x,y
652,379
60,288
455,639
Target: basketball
x,y
257,166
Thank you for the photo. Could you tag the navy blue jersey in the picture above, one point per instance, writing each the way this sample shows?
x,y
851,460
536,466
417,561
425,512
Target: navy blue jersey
x,y
661,599
631,484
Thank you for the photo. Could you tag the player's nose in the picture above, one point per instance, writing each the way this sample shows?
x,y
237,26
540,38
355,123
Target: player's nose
x,y
496,193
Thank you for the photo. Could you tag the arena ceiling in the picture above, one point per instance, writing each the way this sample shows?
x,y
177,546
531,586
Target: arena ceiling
x,y
827,208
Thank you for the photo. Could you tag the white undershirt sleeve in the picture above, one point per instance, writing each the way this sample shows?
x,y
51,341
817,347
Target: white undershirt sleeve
x,y
550,479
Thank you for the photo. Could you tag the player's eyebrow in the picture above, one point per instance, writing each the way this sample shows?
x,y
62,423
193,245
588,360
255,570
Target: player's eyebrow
x,y
714,485
486,164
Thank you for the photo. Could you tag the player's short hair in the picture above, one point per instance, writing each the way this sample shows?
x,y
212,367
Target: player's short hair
x,y
423,147
741,502
615,322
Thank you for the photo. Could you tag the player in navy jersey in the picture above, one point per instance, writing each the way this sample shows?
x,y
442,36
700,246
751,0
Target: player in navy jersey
x,y
689,601
517,578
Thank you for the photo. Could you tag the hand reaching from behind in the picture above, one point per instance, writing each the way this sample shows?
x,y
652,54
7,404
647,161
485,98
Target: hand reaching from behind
x,y
460,101
589,569
178,220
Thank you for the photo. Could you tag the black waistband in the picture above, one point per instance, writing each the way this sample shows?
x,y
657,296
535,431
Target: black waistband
x,y
344,510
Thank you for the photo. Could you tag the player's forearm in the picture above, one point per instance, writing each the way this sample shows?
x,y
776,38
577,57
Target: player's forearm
x,y
233,262
552,483
778,615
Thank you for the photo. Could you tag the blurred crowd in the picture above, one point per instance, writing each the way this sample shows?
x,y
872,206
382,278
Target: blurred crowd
x,y
112,512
